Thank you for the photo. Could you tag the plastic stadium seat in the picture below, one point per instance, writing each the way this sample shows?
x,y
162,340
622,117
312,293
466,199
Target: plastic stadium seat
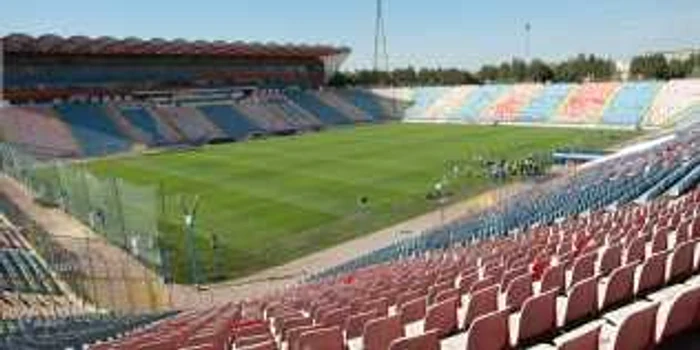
x,y
379,333
257,339
381,305
449,294
293,335
659,242
653,274
437,289
619,288
481,303
467,281
587,339
443,317
683,314
518,291
413,310
611,258
483,284
581,303
635,250
321,339
270,345
553,278
489,331
538,319
511,274
584,267
407,296
638,330
258,328
355,324
425,341
682,262
293,323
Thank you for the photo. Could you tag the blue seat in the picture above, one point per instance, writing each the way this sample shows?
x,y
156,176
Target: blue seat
x,y
228,119
93,129
630,103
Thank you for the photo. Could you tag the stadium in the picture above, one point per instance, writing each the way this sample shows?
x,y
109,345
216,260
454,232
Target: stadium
x,y
164,194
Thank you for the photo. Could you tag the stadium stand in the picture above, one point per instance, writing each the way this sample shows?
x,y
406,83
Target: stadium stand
x,y
672,99
630,103
422,99
309,101
147,127
447,107
585,104
93,129
479,100
373,105
508,106
542,107
346,108
39,130
196,128
229,120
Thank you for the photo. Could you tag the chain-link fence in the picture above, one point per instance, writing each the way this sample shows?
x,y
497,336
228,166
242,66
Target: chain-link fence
x,y
125,214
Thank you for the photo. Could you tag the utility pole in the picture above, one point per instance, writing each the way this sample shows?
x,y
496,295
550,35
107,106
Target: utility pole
x,y
380,39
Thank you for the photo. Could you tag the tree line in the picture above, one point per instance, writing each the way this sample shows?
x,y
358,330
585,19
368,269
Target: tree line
x,y
574,70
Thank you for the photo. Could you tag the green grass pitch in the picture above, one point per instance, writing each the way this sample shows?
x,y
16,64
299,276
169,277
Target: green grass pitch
x,y
271,201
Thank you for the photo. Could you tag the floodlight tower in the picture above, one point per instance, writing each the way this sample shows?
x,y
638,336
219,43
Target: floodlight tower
x,y
380,52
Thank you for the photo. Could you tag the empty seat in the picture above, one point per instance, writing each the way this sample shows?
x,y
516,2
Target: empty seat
x,y
335,317
635,250
538,319
449,294
512,274
587,339
584,267
518,291
483,284
321,339
380,332
467,281
269,345
682,262
553,278
637,331
443,317
355,324
413,310
653,274
620,287
612,258
682,315
481,303
659,241
425,341
581,303
489,331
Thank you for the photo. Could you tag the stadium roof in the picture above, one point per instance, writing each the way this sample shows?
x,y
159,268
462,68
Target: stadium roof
x,y
82,45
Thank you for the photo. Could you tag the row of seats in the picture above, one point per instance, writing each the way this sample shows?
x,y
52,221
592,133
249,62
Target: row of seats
x,y
607,103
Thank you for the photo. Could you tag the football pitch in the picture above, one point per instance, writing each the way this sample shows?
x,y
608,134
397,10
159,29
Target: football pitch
x,y
270,201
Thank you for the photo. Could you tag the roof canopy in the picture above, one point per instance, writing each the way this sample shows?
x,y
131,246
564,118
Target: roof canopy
x,y
82,45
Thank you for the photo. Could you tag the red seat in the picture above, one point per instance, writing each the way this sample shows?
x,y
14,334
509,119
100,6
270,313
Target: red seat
x,y
355,324
682,262
292,323
538,320
465,284
413,310
584,267
635,250
381,305
611,259
481,303
425,341
483,284
380,332
321,339
336,317
489,331
683,314
620,287
292,335
638,330
659,241
443,317
589,340
449,294
409,296
437,289
518,291
268,345
510,275
581,302
553,278
653,273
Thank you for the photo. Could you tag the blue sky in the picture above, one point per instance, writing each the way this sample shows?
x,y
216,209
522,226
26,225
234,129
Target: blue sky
x,y
463,33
